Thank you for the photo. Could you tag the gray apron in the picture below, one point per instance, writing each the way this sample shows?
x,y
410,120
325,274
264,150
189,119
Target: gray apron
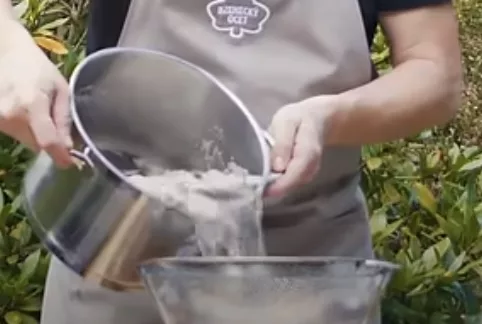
x,y
270,53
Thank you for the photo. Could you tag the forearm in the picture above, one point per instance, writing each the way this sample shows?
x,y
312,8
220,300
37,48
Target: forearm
x,y
423,90
12,31
417,94
5,10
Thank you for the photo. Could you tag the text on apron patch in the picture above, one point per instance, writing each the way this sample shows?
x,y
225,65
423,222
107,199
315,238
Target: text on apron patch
x,y
238,17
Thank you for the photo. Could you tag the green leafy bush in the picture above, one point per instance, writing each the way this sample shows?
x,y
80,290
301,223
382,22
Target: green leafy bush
x,y
425,198
23,263
424,193
426,212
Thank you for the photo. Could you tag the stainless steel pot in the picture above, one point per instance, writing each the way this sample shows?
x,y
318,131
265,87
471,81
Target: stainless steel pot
x,y
128,104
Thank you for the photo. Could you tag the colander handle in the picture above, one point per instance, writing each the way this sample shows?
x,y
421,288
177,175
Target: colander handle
x,y
83,156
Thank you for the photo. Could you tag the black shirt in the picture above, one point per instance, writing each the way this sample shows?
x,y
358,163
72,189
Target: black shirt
x,y
107,17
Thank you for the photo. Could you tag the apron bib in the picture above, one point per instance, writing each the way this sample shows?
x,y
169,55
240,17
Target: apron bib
x,y
269,53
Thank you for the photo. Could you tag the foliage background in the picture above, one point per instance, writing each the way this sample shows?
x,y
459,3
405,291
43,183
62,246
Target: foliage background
x,y
425,193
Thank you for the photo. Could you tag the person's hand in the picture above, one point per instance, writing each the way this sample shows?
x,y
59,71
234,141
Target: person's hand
x,y
34,97
297,130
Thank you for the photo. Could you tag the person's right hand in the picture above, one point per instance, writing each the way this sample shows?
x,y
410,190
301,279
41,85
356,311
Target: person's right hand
x,y
34,96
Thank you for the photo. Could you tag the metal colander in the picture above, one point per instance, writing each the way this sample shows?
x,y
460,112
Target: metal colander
x,y
261,290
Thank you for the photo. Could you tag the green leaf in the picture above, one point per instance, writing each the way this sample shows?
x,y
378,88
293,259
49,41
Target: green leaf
x,y
454,154
443,246
426,134
391,228
42,267
378,222
421,289
429,258
33,304
19,318
471,166
16,204
433,159
29,266
425,197
415,248
374,163
457,264
391,194
471,152
13,318
12,259
451,228
470,266
19,149
432,256
22,233
55,24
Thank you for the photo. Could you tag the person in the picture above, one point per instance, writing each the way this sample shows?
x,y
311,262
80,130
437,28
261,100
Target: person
x,y
303,68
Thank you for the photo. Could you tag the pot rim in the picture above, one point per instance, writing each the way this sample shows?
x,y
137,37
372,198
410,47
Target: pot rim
x,y
267,260
115,50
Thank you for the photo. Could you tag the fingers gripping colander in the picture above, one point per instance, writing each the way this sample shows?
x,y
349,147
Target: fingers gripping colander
x,y
259,290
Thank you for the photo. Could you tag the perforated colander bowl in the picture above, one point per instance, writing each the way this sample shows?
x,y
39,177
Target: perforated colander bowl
x,y
262,290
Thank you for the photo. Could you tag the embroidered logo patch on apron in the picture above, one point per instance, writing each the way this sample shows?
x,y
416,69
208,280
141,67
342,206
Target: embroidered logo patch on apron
x,y
238,17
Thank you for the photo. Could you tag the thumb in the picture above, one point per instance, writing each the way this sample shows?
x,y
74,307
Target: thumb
x,y
284,131
61,114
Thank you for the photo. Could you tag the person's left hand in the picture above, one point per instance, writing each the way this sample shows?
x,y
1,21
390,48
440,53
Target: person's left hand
x,y
298,130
